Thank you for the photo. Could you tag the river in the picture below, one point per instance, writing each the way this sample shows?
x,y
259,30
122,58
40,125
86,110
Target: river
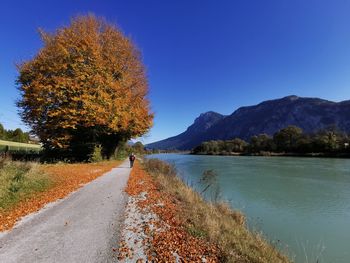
x,y
300,204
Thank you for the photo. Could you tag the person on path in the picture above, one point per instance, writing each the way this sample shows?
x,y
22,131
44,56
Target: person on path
x,y
132,159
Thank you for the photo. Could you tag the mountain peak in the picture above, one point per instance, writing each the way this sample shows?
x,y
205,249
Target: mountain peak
x,y
292,97
205,121
209,114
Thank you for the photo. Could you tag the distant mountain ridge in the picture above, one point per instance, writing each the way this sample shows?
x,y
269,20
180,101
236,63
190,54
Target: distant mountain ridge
x,y
310,114
192,135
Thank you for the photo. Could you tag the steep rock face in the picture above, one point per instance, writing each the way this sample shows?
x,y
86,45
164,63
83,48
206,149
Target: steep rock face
x,y
310,114
192,135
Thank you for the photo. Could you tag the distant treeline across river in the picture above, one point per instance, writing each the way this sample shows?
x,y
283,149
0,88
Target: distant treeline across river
x,y
290,141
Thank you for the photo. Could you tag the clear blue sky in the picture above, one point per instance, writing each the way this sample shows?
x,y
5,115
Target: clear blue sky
x,y
201,55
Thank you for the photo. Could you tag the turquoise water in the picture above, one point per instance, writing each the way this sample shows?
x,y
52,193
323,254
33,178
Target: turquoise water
x,y
300,204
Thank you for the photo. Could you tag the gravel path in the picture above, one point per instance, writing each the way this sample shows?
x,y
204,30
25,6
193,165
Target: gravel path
x,y
84,227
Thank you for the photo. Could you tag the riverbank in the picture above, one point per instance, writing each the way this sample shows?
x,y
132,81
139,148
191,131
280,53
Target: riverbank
x,y
175,223
27,187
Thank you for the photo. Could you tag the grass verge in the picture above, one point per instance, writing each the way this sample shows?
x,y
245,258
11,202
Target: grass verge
x,y
19,147
27,187
18,181
215,223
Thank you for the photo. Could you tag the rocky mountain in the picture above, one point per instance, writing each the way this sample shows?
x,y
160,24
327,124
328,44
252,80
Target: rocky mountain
x,y
192,136
310,114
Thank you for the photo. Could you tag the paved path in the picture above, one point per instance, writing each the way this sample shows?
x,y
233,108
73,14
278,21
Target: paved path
x,y
84,227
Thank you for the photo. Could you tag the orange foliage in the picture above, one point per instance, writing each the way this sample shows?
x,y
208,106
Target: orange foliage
x,y
175,239
67,178
87,74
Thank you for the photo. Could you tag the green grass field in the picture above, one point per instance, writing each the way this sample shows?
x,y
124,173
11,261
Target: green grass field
x,y
20,180
17,146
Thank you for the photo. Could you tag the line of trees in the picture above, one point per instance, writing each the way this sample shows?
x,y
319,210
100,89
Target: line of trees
x,y
291,139
16,135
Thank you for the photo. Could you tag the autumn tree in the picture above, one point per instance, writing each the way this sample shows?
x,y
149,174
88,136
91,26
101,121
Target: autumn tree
x,y
87,86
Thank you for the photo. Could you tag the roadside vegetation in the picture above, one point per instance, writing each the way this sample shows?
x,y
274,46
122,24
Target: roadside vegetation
x,y
19,181
213,222
288,141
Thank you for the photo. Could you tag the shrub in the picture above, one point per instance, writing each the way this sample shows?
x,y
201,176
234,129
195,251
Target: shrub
x,y
96,155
